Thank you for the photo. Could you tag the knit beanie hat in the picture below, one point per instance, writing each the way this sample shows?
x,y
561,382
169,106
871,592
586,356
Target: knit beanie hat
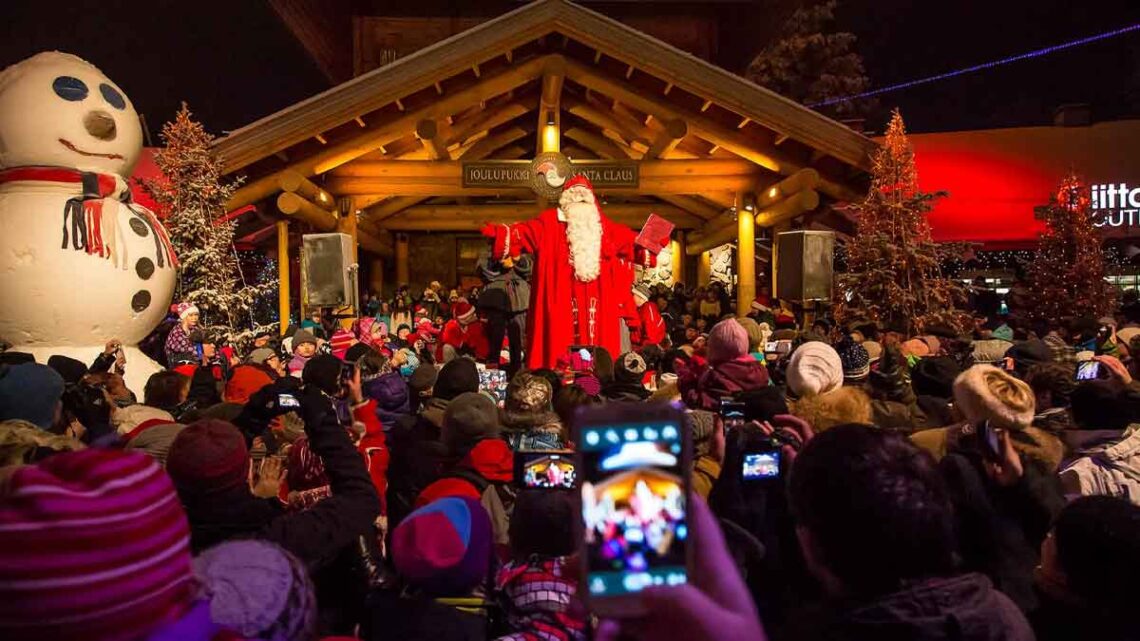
x,y
990,351
701,424
258,590
528,402
727,340
986,393
457,377
423,378
260,355
444,548
589,383
94,545
935,376
630,368
469,417
208,456
874,350
340,341
814,368
463,311
1026,354
70,369
755,333
856,362
244,381
303,336
30,392
184,309
323,372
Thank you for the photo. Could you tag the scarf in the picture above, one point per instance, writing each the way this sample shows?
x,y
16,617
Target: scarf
x,y
92,229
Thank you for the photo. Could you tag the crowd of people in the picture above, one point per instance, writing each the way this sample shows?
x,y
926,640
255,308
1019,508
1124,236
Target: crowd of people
x,y
355,476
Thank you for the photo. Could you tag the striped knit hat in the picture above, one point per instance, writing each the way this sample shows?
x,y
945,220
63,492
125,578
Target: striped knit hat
x,y
94,545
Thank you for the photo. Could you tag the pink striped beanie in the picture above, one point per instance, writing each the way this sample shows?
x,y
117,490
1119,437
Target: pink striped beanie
x,y
94,545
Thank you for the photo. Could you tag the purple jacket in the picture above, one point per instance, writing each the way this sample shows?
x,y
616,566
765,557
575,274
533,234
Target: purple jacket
x,y
725,379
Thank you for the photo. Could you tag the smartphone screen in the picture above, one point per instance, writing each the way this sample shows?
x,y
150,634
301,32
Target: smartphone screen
x,y
1088,371
989,440
731,413
760,465
634,507
546,470
770,347
287,400
494,382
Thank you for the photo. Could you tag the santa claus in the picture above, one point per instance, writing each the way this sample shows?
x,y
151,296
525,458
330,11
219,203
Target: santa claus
x,y
581,276
464,333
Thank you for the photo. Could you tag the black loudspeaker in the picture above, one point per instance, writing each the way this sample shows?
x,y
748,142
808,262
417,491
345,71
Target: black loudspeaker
x,y
328,269
806,265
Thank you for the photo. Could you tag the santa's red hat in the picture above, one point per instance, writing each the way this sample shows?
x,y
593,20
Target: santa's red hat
x,y
579,180
463,311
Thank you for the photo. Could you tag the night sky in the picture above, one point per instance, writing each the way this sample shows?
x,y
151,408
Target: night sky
x,y
234,61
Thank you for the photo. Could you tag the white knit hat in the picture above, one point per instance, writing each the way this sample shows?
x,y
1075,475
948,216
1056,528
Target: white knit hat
x,y
814,368
986,393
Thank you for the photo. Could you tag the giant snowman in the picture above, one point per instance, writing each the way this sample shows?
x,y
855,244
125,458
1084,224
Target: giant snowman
x,y
80,263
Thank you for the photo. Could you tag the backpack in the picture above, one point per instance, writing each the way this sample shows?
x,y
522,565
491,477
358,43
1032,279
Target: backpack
x,y
497,497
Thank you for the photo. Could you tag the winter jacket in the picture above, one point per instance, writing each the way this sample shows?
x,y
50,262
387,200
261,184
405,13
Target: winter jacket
x,y
1000,529
542,437
154,438
650,325
507,290
391,396
469,339
1109,470
706,470
723,379
316,536
961,608
936,411
625,391
490,464
537,597
373,447
417,456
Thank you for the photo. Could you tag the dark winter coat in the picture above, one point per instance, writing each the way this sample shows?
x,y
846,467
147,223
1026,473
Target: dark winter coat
x,y
393,402
936,412
625,391
316,536
962,608
417,456
507,289
1000,529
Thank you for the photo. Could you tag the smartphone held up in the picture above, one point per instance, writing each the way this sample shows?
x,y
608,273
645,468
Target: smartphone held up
x,y
634,462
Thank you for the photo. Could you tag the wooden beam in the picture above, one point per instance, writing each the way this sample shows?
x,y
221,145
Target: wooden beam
x,y
298,207
427,130
778,213
453,169
486,146
700,126
369,139
453,186
379,243
485,120
592,112
321,139
600,145
549,105
292,181
400,105
667,140
694,206
668,88
773,196
466,218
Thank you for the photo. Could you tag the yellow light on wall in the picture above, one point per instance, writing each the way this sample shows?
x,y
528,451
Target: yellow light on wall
x,y
550,138
773,192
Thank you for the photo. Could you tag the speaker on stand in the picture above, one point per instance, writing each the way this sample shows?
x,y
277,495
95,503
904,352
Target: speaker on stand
x,y
806,268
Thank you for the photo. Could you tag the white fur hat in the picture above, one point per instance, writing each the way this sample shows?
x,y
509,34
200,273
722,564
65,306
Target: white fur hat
x,y
814,368
986,393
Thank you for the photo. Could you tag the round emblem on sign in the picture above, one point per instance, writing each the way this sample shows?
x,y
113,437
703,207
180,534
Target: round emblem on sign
x,y
548,172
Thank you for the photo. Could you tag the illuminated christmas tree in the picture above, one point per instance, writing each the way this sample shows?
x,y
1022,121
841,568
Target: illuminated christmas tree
x,y
191,198
1067,273
894,274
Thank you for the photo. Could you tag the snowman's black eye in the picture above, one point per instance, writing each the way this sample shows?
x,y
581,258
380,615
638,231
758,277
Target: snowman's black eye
x,y
112,96
70,88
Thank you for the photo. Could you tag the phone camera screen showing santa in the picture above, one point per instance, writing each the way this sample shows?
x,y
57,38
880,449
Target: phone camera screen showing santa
x,y
580,288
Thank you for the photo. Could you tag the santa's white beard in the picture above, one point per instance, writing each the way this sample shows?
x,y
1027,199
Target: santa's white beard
x,y
584,234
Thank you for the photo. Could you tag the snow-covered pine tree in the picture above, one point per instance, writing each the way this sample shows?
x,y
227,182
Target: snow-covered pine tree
x,y
1066,275
191,199
894,273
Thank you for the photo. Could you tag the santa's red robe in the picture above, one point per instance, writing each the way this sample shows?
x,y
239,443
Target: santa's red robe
x,y
472,337
555,292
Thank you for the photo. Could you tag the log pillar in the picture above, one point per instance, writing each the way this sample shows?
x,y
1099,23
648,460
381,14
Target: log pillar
x,y
283,275
401,259
678,248
745,260
376,276
704,268
776,229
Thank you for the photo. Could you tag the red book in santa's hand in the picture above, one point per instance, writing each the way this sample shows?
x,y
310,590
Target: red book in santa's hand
x,y
655,234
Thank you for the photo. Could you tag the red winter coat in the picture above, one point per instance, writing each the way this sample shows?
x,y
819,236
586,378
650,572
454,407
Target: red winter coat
x,y
491,458
374,448
472,337
652,330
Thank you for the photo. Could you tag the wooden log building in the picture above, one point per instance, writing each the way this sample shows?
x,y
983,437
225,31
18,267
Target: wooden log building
x,y
412,157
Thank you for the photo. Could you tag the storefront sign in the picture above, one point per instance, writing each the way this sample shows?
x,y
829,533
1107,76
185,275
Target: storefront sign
x,y
1117,203
548,172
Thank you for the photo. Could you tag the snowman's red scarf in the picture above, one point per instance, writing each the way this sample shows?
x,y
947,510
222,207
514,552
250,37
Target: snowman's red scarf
x,y
86,210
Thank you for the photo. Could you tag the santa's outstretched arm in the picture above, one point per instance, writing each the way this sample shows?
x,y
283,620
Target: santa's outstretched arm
x,y
510,240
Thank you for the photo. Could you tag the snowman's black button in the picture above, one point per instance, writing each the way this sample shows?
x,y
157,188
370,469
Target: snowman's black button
x,y
144,268
140,301
139,227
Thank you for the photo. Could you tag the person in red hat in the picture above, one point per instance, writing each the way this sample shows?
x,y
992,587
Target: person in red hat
x,y
465,333
582,260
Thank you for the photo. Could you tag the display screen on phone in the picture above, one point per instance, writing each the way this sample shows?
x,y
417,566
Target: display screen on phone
x,y
634,507
770,347
760,465
989,439
287,400
731,413
494,382
1088,371
546,470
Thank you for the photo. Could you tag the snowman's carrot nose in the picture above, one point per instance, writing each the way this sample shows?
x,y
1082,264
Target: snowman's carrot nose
x,y
100,124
